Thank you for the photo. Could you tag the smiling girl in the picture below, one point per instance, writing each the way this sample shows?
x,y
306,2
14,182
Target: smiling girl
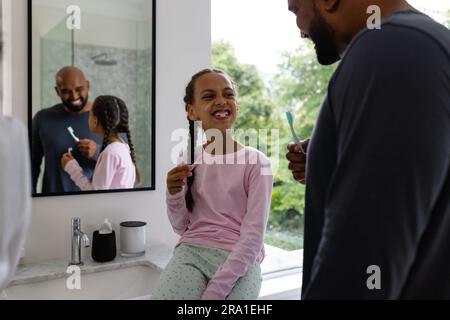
x,y
219,205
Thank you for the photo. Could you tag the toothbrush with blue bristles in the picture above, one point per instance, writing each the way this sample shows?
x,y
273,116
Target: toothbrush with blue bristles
x,y
290,119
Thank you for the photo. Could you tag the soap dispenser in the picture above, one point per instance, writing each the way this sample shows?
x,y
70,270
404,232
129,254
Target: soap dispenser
x,y
104,243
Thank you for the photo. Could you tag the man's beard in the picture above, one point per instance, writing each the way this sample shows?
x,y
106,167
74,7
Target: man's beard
x,y
322,34
76,108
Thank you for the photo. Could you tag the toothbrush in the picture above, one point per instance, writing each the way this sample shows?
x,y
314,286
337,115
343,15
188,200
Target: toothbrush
x,y
290,119
70,129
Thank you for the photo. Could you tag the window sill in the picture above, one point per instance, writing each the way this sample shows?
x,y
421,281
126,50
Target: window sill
x,y
282,274
285,285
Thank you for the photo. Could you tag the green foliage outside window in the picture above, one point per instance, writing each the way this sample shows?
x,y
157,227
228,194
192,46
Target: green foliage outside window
x,y
300,85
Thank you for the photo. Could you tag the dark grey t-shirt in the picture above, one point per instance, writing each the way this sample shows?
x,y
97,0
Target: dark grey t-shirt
x,y
51,139
378,179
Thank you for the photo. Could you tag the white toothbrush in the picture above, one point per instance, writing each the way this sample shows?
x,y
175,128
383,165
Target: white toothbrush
x,y
70,129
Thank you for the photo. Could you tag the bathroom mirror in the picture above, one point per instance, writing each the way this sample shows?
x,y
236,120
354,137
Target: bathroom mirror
x,y
113,43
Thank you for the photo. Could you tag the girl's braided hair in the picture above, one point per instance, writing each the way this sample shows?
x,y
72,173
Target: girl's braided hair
x,y
112,113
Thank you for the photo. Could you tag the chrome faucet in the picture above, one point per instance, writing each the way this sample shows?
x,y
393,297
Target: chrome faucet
x,y
77,236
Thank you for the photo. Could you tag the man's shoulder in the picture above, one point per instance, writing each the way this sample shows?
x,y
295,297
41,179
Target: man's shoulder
x,y
57,108
11,126
405,39
402,32
419,23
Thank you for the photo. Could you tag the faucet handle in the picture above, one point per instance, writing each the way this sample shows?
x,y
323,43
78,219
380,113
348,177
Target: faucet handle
x,y
87,242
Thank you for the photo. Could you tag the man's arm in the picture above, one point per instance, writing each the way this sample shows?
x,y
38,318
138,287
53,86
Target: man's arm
x,y
393,157
37,152
15,197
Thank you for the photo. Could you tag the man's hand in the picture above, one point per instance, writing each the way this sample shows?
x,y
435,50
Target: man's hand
x,y
297,160
176,178
66,157
87,148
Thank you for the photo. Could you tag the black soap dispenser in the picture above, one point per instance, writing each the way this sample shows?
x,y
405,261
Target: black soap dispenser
x,y
104,243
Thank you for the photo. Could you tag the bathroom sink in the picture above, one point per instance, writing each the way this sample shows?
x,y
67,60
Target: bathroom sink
x,y
134,282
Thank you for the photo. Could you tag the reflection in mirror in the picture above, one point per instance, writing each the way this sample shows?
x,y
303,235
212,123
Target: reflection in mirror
x,y
91,109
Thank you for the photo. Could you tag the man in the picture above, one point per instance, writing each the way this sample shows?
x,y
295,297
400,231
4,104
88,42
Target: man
x,y
51,138
15,198
377,216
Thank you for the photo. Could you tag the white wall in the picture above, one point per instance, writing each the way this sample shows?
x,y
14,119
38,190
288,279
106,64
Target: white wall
x,y
7,63
183,47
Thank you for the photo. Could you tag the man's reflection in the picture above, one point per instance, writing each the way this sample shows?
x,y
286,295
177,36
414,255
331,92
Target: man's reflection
x,y
51,137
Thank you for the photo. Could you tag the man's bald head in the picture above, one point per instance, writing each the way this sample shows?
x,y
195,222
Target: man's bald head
x,y
69,73
73,88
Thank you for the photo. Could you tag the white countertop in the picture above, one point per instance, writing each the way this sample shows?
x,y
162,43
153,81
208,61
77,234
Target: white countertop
x,y
156,256
276,285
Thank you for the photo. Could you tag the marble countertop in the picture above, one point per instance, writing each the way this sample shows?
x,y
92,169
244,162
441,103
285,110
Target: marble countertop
x,y
156,256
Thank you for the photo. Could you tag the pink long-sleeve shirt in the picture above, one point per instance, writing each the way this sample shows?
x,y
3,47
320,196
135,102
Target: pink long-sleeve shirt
x,y
231,208
114,170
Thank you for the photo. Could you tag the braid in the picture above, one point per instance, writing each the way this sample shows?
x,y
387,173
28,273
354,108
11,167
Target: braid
x,y
112,114
107,128
190,180
123,126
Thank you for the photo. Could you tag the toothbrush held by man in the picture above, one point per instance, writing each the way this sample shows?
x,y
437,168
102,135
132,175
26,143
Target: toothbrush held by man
x,y
86,147
72,133
297,152
290,119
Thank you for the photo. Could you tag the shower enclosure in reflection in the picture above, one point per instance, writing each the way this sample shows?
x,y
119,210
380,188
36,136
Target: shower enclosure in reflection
x,y
113,47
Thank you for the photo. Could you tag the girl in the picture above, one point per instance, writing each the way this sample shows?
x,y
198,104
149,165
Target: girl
x,y
116,164
220,210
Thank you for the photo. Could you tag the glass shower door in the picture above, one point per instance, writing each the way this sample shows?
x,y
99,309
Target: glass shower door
x,y
56,51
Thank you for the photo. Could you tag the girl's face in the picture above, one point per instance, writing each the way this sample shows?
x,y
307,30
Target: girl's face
x,y
214,102
94,124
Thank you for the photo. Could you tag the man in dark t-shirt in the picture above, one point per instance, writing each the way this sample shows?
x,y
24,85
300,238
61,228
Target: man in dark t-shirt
x,y
51,138
377,214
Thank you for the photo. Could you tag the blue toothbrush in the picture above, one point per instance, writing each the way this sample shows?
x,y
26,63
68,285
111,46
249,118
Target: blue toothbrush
x,y
290,119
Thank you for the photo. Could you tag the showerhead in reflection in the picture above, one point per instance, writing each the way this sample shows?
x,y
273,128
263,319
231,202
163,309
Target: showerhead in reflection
x,y
103,59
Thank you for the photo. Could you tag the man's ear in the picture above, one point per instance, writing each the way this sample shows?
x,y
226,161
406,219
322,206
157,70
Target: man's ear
x,y
328,5
57,92
88,85
192,115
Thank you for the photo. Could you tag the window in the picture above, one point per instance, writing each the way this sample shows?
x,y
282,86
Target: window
x,y
266,63
257,42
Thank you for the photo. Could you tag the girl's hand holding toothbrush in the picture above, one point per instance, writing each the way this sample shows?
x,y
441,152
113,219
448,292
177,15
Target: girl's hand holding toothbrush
x,y
297,159
66,157
176,178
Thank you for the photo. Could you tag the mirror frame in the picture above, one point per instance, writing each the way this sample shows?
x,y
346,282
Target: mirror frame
x,y
153,111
